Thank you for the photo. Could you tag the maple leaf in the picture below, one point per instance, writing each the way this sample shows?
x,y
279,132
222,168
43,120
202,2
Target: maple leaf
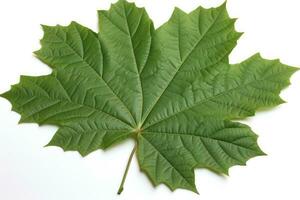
x,y
171,89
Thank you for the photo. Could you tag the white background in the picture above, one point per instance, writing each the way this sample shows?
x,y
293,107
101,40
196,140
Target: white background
x,y
30,172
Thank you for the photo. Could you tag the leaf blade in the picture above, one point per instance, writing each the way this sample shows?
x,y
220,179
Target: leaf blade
x,y
172,89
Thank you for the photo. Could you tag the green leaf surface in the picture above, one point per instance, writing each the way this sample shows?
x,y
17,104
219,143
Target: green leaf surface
x,y
172,89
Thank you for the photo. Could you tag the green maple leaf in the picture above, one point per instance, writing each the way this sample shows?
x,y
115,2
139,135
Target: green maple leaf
x,y
171,89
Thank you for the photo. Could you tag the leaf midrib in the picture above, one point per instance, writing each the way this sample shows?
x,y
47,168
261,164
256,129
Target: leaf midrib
x,y
135,63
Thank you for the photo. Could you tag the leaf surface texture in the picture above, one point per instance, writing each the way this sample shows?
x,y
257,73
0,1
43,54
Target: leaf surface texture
x,y
172,89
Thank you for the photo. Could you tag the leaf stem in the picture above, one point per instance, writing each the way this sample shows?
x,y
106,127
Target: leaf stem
x,y
127,168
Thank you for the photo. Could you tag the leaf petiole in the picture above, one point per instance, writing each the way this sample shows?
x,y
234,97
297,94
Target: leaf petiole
x,y
127,168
